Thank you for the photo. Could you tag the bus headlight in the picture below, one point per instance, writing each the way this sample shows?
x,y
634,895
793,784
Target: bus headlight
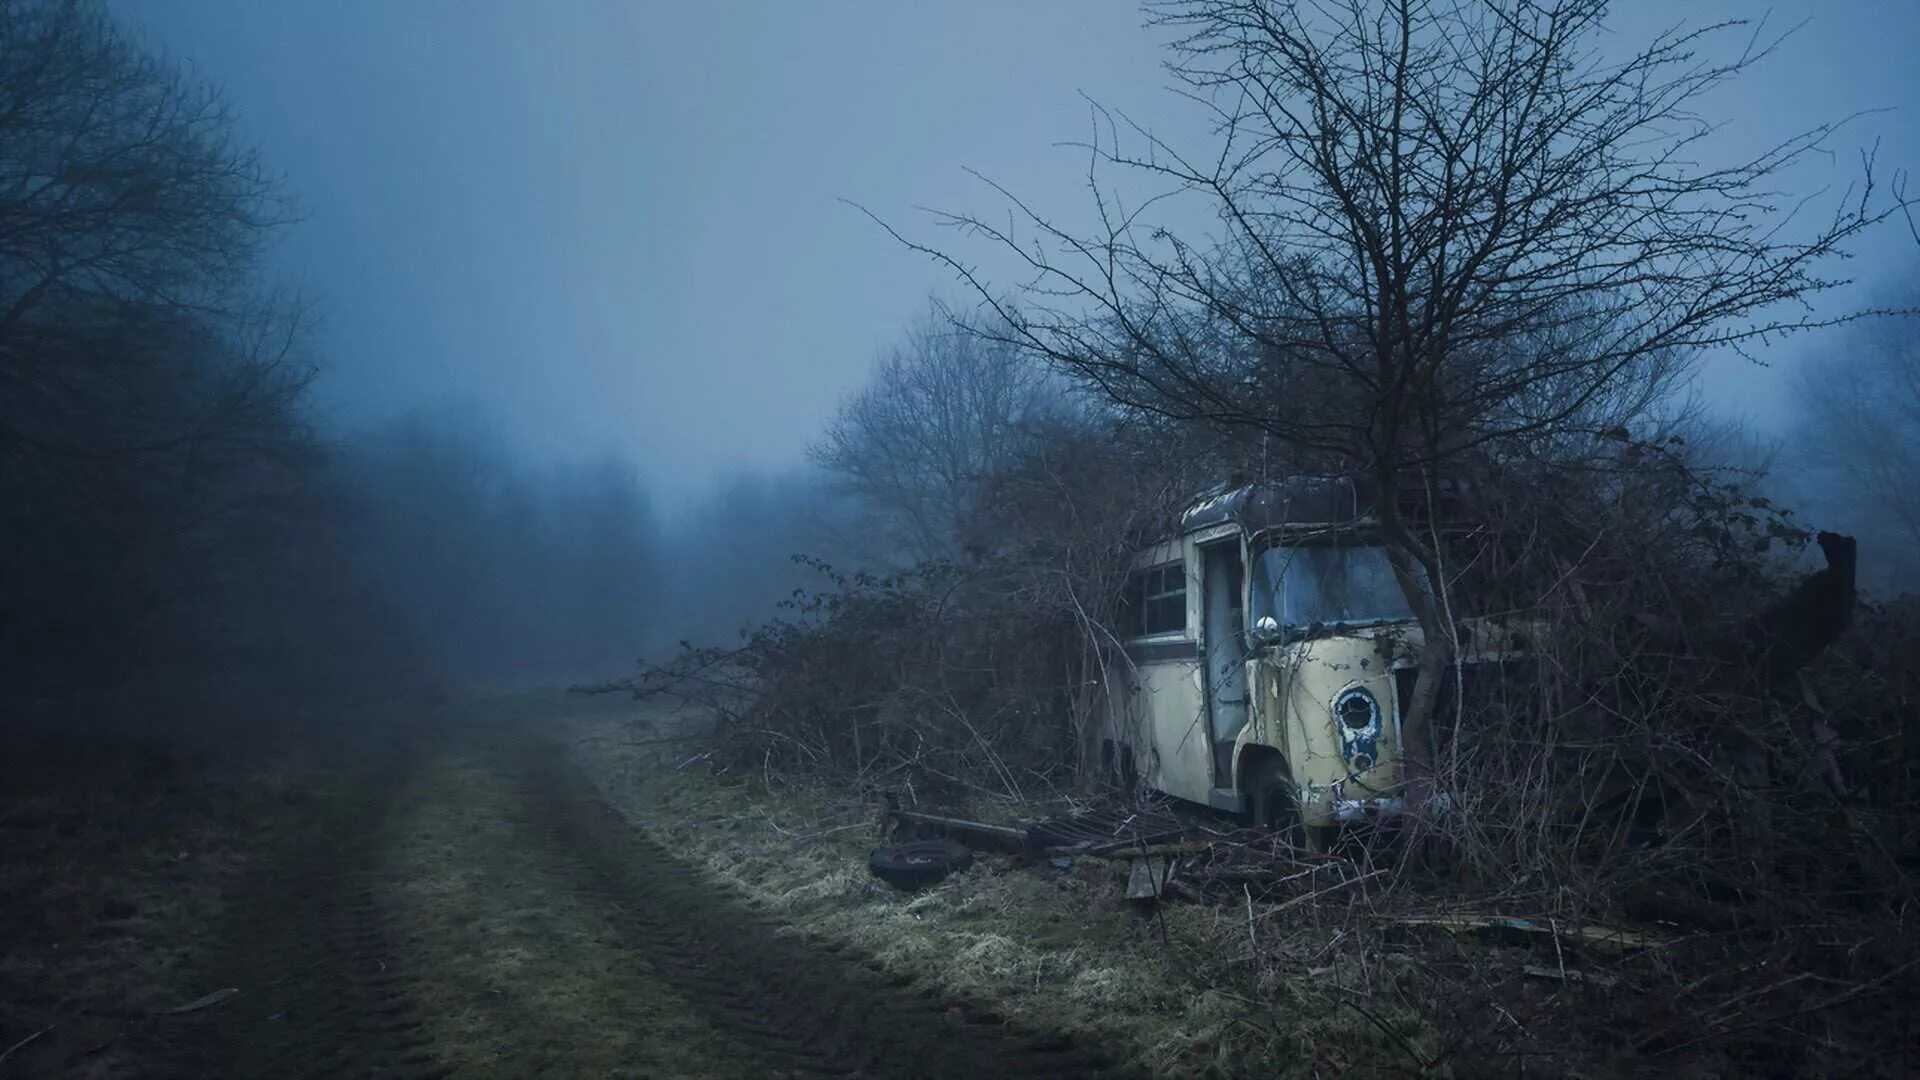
x,y
1357,710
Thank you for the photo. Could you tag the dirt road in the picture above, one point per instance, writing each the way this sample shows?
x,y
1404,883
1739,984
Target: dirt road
x,y
471,906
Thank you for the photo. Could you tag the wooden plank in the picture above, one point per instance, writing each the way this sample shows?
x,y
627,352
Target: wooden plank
x,y
1107,851
1133,843
1000,832
1147,880
1612,938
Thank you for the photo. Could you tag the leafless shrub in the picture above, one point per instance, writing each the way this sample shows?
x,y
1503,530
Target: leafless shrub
x,y
977,674
1674,751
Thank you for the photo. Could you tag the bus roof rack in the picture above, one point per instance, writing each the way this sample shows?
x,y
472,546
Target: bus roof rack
x,y
1310,501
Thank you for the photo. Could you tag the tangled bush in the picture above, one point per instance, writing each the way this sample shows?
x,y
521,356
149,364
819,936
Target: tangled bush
x,y
1676,726
1701,736
930,677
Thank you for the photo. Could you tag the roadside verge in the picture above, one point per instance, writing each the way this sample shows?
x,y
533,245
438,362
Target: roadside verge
x,y
1174,992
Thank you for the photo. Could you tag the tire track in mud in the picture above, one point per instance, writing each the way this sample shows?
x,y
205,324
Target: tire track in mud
x,y
802,1009
318,960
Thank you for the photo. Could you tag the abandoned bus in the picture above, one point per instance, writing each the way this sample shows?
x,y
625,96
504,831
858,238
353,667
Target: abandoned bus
x,y
1268,650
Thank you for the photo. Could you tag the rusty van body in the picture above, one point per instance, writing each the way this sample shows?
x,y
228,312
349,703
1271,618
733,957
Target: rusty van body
x,y
1267,656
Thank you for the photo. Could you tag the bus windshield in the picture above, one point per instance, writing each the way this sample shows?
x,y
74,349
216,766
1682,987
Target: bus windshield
x,y
1307,585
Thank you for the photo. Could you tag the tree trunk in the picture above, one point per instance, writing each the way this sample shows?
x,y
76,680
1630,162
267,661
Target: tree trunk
x,y
1409,557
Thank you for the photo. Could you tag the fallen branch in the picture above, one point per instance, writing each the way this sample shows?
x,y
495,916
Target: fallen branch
x,y
1570,975
1388,1029
9,1052
1335,887
206,1001
1872,986
1105,850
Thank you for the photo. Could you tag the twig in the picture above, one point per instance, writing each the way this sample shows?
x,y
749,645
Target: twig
x,y
1838,999
205,1001
1384,1026
1570,977
1335,887
1559,954
1253,943
1308,872
1724,1010
23,1042
811,837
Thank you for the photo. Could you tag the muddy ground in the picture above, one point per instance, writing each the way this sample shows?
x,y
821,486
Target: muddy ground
x,y
451,898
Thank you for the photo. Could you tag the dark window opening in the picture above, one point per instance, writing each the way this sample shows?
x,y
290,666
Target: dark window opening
x,y
1155,602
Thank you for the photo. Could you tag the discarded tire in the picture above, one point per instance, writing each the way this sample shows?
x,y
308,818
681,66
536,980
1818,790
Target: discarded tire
x,y
919,863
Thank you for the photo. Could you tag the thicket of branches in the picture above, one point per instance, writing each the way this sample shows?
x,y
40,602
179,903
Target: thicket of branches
x,y
976,673
152,456
1669,723
1443,227
1456,242
1670,750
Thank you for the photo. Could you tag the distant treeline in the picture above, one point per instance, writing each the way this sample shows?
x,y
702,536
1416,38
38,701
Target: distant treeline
x,y
178,540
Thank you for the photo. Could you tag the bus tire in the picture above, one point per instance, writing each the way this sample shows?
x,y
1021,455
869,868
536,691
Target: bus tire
x,y
1275,808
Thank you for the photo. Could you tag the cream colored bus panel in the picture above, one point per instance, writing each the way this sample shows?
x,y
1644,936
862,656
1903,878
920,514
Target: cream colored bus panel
x,y
1309,679
1178,761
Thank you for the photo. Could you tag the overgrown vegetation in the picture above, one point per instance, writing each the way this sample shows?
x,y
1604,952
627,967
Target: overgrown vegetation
x,y
1460,253
1181,993
1668,753
978,673
1682,748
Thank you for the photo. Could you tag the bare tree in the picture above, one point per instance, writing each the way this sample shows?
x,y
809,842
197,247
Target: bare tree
x,y
152,448
128,220
119,175
1858,431
942,410
1444,226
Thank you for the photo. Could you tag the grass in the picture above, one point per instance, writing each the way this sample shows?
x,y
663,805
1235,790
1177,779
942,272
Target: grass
x,y
1181,992
117,874
517,971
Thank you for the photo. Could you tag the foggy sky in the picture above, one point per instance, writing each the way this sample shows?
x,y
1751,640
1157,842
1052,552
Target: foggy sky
x,y
618,226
